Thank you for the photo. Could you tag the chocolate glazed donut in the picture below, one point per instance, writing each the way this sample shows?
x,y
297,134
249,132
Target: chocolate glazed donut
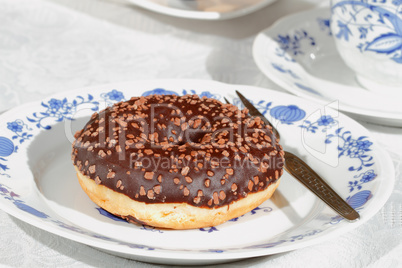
x,y
177,161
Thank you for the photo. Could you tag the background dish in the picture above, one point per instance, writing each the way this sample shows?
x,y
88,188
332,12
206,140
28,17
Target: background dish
x,y
203,9
298,53
38,184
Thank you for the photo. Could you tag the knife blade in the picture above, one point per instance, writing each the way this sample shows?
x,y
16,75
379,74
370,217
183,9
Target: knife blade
x,y
254,112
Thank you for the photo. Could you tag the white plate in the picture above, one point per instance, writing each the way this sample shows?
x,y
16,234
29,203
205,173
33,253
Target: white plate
x,y
203,9
299,54
38,184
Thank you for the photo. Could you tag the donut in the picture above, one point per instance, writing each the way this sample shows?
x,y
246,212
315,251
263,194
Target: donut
x,y
177,162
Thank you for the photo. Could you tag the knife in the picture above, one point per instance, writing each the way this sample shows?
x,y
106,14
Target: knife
x,y
306,175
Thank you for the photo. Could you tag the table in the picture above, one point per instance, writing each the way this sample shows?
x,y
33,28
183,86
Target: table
x,y
56,45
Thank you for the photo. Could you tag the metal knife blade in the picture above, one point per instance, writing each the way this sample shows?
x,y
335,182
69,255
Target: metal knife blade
x,y
254,112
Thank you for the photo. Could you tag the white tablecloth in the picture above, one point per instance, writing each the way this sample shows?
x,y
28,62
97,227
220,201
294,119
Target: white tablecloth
x,y
51,47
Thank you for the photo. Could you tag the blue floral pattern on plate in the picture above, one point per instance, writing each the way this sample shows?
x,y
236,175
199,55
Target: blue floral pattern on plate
x,y
162,91
14,198
60,110
353,148
285,114
365,177
292,44
7,148
325,25
325,122
113,96
288,114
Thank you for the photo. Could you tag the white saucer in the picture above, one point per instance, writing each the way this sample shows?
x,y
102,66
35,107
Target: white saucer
x,y
203,9
299,54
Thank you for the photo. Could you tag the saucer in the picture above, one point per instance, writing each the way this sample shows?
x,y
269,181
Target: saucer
x,y
298,53
203,9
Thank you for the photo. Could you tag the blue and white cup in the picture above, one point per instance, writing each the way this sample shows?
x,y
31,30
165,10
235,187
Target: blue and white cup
x,y
368,36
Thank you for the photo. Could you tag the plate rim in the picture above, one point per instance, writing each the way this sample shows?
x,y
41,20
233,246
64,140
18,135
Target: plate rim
x,y
200,15
228,255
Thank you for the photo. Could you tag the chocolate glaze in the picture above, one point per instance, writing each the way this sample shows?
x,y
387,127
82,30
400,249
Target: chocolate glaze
x,y
150,149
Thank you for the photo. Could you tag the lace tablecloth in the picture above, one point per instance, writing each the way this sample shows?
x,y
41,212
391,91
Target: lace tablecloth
x,y
47,48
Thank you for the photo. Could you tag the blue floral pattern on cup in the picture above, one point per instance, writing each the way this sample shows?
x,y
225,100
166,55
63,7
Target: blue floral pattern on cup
x,y
380,33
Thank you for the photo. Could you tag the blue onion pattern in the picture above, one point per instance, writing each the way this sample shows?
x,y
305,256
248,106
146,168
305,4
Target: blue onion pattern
x,y
21,205
281,69
386,21
202,94
159,91
287,114
365,177
60,110
115,95
7,193
151,229
291,44
325,25
262,105
308,89
109,215
359,199
255,211
353,148
18,126
14,126
291,240
6,147
209,229
162,91
112,97
324,123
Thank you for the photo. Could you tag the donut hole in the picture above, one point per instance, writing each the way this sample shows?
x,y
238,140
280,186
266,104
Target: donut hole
x,y
195,137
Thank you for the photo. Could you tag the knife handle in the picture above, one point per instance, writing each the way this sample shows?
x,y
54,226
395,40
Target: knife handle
x,y
309,178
